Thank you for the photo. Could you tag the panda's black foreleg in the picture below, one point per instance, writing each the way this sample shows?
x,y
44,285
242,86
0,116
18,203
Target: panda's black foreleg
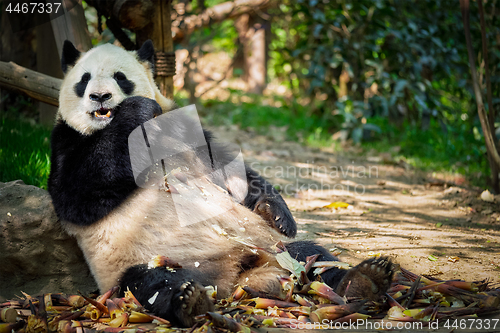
x,y
261,196
369,280
176,295
265,201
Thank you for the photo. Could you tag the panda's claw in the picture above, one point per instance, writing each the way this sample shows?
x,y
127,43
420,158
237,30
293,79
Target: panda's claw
x,y
193,301
368,280
277,215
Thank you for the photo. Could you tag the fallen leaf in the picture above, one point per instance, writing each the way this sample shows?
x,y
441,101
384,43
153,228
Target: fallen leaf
x,y
287,262
432,258
337,205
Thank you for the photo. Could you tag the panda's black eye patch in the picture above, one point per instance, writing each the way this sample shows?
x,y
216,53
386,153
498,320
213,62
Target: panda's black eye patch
x,y
120,76
125,84
86,77
82,85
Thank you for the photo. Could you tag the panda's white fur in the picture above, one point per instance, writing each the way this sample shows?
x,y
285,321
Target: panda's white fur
x,y
102,62
145,225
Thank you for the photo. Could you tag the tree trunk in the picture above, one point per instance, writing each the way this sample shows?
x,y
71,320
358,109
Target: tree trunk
x,y
491,111
71,26
493,156
252,36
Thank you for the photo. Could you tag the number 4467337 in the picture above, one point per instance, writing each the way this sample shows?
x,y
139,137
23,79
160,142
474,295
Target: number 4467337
x,y
33,7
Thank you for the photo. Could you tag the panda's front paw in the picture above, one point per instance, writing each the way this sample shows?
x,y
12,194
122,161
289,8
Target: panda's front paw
x,y
138,109
277,215
191,301
369,280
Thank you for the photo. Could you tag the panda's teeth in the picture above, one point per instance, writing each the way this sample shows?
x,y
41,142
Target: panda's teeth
x,y
100,113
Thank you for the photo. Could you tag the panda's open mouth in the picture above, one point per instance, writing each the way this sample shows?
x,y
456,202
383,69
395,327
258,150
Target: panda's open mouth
x,y
103,113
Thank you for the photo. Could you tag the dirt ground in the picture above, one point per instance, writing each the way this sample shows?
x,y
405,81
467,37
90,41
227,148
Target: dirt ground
x,y
428,225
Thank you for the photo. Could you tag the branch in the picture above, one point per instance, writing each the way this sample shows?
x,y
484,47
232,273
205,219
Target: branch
x,y
186,25
488,137
489,98
39,86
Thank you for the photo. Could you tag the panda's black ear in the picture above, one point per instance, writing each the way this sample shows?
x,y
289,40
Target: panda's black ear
x,y
69,55
147,52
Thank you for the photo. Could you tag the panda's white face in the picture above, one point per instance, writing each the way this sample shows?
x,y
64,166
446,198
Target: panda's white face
x,y
100,80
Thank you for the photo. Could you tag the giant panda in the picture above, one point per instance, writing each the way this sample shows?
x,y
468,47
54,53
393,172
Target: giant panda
x,y
106,94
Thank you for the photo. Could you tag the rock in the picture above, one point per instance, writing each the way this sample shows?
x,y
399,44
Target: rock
x,y
36,255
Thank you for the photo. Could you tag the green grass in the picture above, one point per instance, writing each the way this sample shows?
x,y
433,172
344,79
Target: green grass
x,y
458,150
299,124
24,152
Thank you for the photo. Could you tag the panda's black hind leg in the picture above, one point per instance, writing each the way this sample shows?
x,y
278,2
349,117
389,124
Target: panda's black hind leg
x,y
368,280
300,250
174,294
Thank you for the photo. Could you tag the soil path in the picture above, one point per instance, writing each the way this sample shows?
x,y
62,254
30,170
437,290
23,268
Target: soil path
x,y
424,224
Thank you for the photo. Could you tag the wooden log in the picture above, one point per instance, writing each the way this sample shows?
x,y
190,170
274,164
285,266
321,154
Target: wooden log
x,y
42,87
186,25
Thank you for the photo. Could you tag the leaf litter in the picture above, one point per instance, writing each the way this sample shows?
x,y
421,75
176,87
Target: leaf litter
x,y
302,304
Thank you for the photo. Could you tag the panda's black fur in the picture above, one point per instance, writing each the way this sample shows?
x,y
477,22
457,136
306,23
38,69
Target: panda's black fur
x,y
101,158
95,196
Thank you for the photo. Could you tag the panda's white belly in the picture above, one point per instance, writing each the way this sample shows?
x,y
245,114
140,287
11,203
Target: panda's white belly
x,y
146,225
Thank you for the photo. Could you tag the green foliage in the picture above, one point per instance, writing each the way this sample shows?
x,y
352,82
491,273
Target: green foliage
x,y
354,119
388,58
223,36
25,152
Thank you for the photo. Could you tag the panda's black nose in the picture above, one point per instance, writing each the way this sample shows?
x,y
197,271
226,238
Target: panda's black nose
x,y
100,97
